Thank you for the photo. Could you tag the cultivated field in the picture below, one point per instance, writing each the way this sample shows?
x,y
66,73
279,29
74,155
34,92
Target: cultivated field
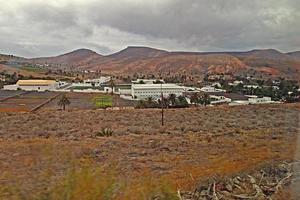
x,y
21,101
60,155
86,101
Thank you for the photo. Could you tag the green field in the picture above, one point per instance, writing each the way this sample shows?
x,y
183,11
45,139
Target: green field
x,y
103,101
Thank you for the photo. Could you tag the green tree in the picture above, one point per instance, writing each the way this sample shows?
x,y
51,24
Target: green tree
x,y
195,98
112,85
172,99
63,101
204,100
182,102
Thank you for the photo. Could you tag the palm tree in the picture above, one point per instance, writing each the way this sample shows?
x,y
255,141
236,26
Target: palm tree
x,y
63,101
112,85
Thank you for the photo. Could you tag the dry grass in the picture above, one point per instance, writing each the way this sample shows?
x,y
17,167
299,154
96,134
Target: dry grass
x,y
56,155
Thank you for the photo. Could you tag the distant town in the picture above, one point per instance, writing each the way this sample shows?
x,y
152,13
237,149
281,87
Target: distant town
x,y
157,93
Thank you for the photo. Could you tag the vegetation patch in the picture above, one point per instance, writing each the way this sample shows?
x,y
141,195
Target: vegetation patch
x,y
105,132
103,101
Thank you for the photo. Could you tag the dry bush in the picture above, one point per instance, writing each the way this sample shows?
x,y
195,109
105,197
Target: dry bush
x,y
105,132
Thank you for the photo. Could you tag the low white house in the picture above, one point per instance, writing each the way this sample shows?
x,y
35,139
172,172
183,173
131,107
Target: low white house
x,y
98,81
235,83
33,85
253,100
143,91
252,86
260,100
219,99
211,89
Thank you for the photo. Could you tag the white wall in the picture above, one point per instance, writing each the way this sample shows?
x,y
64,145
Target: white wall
x,y
31,87
260,100
125,91
10,87
155,92
37,88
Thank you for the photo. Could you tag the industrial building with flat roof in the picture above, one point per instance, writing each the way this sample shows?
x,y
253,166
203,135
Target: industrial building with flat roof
x,y
143,91
33,85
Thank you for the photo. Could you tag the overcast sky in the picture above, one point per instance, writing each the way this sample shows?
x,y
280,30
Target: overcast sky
x,y
33,28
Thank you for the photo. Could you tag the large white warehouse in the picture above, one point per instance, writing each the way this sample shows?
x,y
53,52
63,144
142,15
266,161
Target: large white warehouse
x,y
143,91
33,85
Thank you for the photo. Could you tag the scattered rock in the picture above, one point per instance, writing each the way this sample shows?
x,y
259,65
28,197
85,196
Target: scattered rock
x,y
262,184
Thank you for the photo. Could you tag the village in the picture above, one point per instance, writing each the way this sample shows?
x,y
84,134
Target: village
x,y
157,93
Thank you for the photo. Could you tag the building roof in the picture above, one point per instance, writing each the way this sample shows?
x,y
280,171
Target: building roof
x,y
156,86
35,82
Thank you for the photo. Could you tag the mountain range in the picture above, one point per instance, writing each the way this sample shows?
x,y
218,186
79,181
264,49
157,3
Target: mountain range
x,y
145,60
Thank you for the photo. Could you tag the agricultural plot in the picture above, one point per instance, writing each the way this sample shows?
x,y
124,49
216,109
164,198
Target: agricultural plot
x,y
87,101
79,101
20,101
103,101
24,102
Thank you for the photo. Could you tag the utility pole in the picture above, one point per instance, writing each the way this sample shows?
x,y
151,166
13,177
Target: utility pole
x,y
162,105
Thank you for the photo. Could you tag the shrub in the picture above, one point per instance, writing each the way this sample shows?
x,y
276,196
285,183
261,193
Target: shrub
x,y
105,132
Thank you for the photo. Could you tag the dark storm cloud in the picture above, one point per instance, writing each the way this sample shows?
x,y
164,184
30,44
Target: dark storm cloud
x,y
36,27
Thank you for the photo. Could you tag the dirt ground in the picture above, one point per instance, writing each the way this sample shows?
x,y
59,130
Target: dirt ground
x,y
26,101
22,101
85,101
37,150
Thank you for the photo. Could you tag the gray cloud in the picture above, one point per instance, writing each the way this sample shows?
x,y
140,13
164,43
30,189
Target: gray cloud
x,y
36,28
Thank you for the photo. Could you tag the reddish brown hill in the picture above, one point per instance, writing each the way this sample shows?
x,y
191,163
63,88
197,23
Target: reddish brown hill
x,y
74,58
145,60
172,64
136,52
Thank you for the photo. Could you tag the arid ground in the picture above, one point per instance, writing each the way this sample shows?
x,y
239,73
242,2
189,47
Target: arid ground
x,y
61,155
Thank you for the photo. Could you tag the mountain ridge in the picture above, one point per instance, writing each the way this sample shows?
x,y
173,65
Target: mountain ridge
x,y
147,60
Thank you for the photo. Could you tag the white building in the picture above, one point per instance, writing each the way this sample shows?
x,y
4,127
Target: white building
x,y
252,86
211,89
260,100
33,85
253,100
98,81
219,99
92,82
143,91
235,83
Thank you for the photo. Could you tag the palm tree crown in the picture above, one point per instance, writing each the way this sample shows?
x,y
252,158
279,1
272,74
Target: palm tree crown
x,y
63,101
